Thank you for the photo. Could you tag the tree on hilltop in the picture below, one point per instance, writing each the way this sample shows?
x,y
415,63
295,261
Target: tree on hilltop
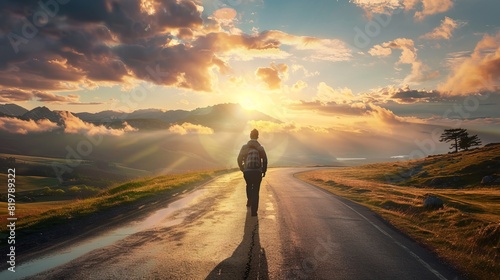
x,y
460,139
453,135
467,142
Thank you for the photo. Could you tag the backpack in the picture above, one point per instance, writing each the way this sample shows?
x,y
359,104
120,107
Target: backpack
x,y
252,160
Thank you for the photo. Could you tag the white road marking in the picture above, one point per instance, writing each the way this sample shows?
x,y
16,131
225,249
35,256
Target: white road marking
x,y
424,263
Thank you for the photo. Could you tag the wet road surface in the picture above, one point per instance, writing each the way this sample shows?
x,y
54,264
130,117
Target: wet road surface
x,y
301,232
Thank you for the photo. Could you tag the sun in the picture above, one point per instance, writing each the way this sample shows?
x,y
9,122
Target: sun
x,y
249,102
256,101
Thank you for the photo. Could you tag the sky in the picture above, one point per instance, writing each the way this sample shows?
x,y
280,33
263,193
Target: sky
x,y
356,66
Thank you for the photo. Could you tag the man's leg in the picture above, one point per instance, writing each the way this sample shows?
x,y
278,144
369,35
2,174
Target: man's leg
x,y
248,181
256,180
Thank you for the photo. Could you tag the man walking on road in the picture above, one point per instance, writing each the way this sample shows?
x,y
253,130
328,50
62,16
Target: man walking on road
x,y
252,161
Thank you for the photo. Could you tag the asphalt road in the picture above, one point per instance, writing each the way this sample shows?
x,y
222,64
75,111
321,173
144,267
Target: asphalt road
x,y
301,232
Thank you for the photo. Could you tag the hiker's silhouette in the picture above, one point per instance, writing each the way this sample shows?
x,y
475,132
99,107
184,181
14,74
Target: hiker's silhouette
x,y
248,260
252,161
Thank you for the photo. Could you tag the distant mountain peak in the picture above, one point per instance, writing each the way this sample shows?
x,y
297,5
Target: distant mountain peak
x,y
42,112
12,110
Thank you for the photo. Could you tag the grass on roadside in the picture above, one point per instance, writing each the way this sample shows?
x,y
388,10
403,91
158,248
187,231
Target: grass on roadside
x,y
466,232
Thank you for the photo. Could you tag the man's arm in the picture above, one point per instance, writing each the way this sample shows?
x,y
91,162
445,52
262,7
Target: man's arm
x,y
263,155
241,158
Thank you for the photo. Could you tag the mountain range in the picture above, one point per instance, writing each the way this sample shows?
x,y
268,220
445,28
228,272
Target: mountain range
x,y
157,149
221,117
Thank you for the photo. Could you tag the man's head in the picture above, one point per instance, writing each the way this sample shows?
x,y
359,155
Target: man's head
x,y
254,134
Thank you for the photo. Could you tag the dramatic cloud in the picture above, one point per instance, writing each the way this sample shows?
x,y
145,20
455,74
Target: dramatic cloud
x,y
241,46
378,50
330,101
407,46
103,41
378,6
189,128
311,47
357,117
53,98
12,95
74,125
305,72
479,72
273,75
226,18
444,31
272,44
190,65
384,116
60,57
347,108
335,101
179,66
299,85
165,42
428,7
326,94
455,59
406,95
225,14
14,125
419,71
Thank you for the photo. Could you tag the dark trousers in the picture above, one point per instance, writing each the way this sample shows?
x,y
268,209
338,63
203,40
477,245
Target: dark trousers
x,y
253,180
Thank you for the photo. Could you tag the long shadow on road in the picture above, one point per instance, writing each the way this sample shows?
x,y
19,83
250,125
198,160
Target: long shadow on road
x,y
248,260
